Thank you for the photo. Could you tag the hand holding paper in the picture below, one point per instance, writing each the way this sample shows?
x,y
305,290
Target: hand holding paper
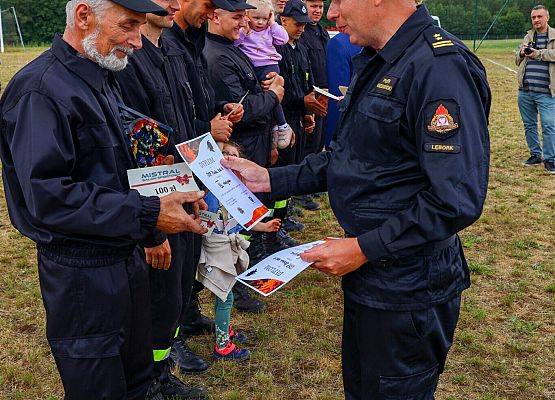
x,y
253,176
336,257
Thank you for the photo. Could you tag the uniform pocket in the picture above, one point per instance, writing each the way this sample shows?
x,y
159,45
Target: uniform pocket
x,y
420,386
92,346
375,129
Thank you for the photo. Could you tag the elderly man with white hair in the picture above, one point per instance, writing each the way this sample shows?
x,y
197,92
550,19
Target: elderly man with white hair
x,y
64,158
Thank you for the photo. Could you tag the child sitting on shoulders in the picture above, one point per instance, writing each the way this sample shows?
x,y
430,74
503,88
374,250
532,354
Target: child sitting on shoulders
x,y
258,41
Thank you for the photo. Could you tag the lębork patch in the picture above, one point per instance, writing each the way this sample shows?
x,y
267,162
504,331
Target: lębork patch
x,y
442,148
386,85
442,118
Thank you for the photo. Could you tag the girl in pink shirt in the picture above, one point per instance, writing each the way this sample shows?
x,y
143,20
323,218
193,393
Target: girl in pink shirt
x,y
258,41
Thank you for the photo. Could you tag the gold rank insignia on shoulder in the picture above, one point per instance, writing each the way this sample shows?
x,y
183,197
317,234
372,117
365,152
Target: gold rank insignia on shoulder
x,y
440,42
442,121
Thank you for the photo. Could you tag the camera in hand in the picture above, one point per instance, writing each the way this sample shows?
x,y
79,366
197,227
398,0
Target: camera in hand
x,y
529,49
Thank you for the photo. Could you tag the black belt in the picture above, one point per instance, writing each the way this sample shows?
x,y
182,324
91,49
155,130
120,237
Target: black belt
x,y
85,255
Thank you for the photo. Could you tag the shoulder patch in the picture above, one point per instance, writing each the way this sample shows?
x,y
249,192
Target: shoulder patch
x,y
439,41
442,118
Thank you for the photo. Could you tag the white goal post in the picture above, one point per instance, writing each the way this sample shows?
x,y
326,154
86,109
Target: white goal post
x,y
12,10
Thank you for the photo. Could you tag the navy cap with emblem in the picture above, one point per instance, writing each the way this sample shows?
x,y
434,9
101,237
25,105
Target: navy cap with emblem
x,y
296,9
236,5
142,6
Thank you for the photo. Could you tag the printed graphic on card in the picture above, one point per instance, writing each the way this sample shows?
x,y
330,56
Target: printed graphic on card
x,y
203,157
272,273
162,180
208,220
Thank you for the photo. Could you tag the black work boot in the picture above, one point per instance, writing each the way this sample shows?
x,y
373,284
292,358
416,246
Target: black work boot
x,y
290,224
256,249
194,323
153,392
185,359
306,202
286,240
173,389
244,302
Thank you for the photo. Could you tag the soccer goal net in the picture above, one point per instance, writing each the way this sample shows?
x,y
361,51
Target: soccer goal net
x,y
10,31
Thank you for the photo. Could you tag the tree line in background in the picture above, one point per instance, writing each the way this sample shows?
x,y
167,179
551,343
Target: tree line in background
x,y
40,19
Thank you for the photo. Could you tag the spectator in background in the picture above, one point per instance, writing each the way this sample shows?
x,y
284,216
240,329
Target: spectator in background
x,y
279,5
536,82
340,71
315,38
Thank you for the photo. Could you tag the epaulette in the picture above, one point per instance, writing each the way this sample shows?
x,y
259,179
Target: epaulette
x,y
440,42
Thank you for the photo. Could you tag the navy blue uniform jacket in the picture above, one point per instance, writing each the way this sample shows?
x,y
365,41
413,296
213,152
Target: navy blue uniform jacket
x,y
410,165
65,158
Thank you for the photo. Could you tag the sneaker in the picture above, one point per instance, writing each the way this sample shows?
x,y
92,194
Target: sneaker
x,y
285,239
285,134
172,388
307,203
549,166
237,336
290,224
244,302
533,160
185,359
275,136
231,352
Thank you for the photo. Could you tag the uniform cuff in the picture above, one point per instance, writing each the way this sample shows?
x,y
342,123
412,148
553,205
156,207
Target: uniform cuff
x,y
155,239
279,183
150,210
373,247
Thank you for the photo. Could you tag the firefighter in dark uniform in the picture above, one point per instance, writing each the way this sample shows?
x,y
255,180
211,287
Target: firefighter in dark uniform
x,y
297,73
64,158
188,34
155,83
232,76
315,38
409,169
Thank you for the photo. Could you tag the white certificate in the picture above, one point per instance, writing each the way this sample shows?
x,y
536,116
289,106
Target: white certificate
x,y
326,93
203,157
162,180
272,273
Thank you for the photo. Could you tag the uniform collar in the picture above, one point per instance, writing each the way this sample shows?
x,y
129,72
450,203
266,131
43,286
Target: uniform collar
x,y
218,38
406,34
87,70
154,53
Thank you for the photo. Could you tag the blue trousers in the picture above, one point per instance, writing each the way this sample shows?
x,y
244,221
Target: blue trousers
x,y
531,104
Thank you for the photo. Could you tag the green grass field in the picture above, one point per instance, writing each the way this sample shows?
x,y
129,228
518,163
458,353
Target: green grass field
x,y
505,341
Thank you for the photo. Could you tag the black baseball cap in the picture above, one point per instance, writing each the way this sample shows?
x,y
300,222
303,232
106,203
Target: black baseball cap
x,y
236,5
142,6
225,5
296,9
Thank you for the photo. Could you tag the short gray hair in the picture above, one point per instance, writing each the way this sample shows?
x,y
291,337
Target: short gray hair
x,y
540,7
98,7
